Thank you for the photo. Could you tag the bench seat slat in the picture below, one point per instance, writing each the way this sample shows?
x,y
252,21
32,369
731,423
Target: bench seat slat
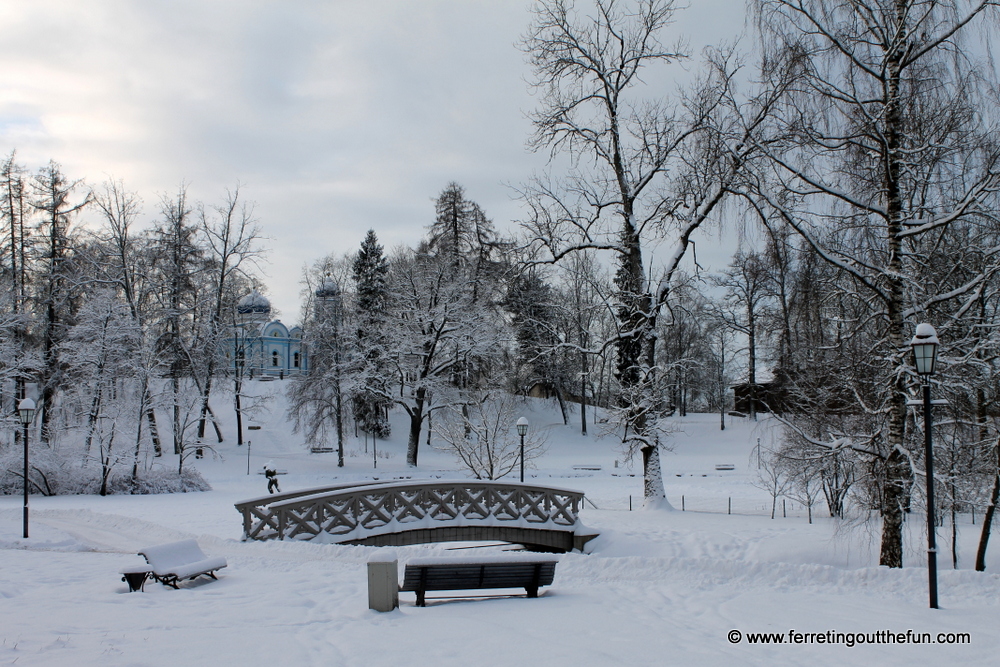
x,y
455,583
524,574
201,567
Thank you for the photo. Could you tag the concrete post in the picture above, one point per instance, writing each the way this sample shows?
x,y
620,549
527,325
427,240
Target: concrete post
x,y
383,581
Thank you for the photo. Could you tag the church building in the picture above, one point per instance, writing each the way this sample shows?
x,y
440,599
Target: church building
x,y
264,347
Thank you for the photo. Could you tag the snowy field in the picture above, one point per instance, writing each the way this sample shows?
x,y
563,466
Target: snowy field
x,y
658,588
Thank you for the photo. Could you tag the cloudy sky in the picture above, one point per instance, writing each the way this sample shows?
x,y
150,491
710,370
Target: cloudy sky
x,y
335,116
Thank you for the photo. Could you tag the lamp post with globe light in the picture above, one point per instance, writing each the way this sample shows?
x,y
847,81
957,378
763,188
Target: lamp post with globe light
x,y
925,343
26,412
522,430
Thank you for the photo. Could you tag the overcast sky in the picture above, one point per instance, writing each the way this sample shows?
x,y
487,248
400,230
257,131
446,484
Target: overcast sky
x,y
334,116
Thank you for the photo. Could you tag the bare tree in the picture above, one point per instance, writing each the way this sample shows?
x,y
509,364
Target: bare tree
x,y
885,147
14,213
53,199
741,310
617,196
483,437
177,263
772,476
232,236
991,508
316,399
123,267
100,354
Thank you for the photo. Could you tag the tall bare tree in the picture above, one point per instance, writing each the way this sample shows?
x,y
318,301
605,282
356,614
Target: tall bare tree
x,y
883,148
14,213
232,240
123,265
745,285
54,200
177,264
620,192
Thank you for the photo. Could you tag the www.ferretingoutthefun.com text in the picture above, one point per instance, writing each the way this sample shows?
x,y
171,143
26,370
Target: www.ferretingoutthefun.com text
x,y
850,639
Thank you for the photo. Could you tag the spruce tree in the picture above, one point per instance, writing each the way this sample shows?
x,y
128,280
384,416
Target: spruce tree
x,y
369,272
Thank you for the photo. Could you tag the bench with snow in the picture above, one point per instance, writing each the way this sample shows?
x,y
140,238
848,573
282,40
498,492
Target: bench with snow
x,y
443,574
174,562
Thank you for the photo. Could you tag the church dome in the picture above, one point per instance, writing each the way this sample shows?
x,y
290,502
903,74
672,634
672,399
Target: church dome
x,y
328,290
254,303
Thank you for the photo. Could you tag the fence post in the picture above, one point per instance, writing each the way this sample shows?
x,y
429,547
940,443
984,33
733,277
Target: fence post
x,y
730,510
784,509
682,503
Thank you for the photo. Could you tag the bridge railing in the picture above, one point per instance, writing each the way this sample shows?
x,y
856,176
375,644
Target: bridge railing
x,y
260,523
354,512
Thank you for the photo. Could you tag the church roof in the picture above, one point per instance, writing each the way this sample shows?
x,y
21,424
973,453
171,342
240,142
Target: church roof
x,y
253,303
327,289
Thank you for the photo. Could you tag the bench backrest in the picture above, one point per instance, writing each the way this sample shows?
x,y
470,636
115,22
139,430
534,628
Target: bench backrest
x,y
165,557
467,576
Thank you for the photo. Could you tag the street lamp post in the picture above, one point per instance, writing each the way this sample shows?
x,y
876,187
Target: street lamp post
x,y
522,430
26,411
245,320
925,343
251,427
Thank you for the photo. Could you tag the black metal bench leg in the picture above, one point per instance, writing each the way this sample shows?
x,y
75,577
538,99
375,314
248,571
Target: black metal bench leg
x,y
135,580
420,599
532,591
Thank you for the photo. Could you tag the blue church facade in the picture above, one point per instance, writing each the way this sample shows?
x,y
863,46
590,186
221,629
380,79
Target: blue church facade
x,y
263,347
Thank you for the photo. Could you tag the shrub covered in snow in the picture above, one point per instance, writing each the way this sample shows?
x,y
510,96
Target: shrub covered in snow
x,y
53,476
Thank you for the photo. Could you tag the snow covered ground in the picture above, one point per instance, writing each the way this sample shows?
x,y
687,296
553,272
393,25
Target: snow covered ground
x,y
659,588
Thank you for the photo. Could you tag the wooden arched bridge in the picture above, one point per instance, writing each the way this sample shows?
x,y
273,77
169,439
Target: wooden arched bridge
x,y
402,512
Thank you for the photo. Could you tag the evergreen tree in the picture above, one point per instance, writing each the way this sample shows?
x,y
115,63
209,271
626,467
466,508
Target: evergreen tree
x,y
370,272
465,237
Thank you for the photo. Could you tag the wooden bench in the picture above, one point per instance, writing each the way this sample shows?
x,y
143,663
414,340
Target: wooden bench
x,y
441,574
177,561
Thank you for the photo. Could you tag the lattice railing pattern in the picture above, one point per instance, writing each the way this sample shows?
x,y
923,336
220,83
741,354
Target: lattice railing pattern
x,y
399,506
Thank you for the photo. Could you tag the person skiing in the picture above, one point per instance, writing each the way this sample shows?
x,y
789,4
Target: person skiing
x,y
272,478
